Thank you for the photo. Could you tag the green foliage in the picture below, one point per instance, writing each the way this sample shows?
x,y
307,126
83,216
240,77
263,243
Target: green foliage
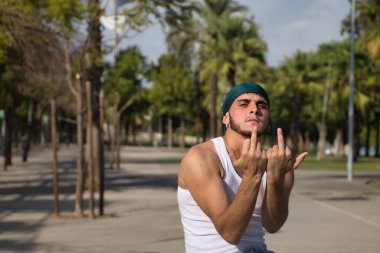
x,y
368,21
228,45
172,89
124,79
65,12
296,92
228,39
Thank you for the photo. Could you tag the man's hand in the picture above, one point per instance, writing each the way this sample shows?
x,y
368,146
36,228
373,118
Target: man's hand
x,y
253,160
280,159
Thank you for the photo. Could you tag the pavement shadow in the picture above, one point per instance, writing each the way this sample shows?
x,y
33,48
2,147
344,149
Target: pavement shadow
x,y
27,189
125,181
344,198
26,235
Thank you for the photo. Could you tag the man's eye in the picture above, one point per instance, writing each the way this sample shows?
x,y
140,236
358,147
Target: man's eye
x,y
243,104
262,106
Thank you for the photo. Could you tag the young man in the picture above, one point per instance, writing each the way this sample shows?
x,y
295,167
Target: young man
x,y
230,188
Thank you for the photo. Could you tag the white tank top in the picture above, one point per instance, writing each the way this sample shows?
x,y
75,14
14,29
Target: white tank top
x,y
200,233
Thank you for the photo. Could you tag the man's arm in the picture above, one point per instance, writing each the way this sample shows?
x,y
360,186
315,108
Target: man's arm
x,y
280,180
276,201
202,177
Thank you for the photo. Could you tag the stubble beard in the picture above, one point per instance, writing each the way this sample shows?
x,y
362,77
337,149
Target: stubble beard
x,y
245,133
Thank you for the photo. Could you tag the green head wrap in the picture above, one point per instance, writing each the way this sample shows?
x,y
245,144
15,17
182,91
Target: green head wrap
x,y
240,89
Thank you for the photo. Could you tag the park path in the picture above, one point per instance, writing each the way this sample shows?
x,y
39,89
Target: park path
x,y
327,213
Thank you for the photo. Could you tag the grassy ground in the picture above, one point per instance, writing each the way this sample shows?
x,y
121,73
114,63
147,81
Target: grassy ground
x,y
340,163
375,182
369,164
326,163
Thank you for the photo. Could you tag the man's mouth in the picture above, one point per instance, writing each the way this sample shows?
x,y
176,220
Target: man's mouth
x,y
252,120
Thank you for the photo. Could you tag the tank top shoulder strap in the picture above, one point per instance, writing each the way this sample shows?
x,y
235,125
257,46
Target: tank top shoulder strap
x,y
224,157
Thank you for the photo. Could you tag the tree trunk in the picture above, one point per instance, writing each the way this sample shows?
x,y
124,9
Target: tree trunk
x,y
377,151
356,147
161,129
113,134
77,91
205,126
367,136
338,143
117,140
29,131
294,126
134,134
357,130
170,132
94,73
231,78
219,125
90,151
80,157
130,130
214,94
182,133
301,143
8,117
151,133
101,155
25,145
321,141
54,144
307,141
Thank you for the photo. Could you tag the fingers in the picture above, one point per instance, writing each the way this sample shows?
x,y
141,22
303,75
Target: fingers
x,y
269,153
253,139
246,147
258,149
299,160
280,140
288,153
264,154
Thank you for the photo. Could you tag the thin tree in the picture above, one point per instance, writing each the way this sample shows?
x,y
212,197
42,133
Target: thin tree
x,y
122,86
66,14
54,143
90,144
94,70
212,14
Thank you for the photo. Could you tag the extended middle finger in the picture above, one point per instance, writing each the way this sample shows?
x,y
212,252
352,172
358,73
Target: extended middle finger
x,y
280,140
253,139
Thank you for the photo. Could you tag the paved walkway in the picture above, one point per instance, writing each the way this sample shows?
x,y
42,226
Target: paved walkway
x,y
327,213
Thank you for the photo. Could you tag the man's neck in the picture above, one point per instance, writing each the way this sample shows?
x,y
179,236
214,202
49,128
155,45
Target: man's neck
x,y
234,141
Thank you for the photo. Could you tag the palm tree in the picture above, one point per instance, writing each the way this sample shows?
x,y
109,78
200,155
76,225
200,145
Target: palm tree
x,y
295,88
211,15
229,47
240,47
228,41
369,25
337,56
369,38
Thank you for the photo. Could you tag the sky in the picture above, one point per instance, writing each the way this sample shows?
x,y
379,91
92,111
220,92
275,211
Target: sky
x,y
285,25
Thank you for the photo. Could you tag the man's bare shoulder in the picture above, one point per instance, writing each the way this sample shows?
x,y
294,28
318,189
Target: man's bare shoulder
x,y
200,151
199,160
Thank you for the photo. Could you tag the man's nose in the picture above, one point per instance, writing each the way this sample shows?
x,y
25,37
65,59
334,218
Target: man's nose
x,y
254,109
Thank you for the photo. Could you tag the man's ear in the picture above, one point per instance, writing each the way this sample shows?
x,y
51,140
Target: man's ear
x,y
226,119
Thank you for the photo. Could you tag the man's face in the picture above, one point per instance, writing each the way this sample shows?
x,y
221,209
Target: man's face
x,y
246,111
